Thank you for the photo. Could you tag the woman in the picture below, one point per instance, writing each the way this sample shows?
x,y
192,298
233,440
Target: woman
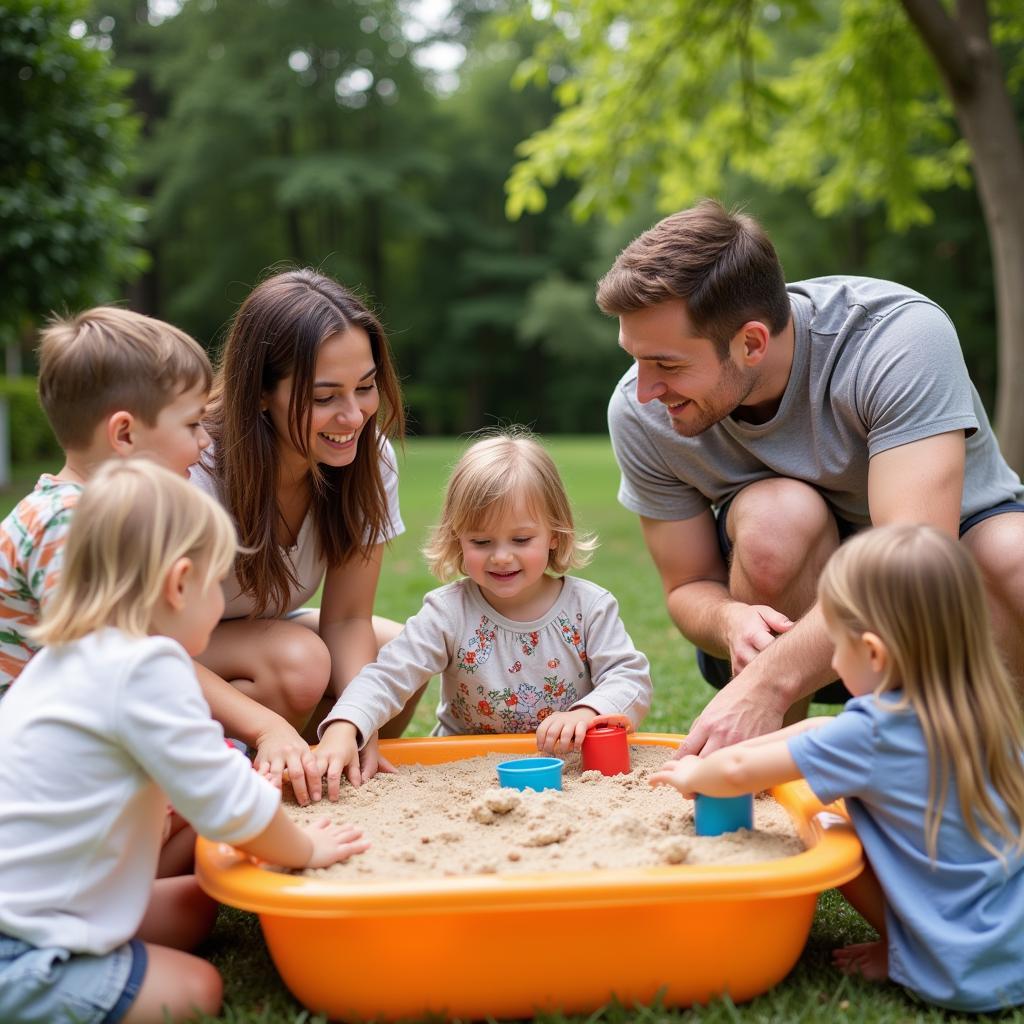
x,y
303,402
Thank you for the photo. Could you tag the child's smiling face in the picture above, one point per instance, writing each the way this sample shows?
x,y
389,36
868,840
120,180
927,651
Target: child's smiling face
x,y
507,556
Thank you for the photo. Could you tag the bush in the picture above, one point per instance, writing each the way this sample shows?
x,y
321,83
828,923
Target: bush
x,y
32,439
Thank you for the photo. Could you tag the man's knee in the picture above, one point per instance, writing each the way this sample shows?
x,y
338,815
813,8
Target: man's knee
x,y
997,545
780,529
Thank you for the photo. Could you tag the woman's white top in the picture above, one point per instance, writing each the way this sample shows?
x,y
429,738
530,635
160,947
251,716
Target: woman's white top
x,y
305,559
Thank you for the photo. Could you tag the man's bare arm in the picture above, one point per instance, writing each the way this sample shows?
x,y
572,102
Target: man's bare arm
x,y
920,482
695,579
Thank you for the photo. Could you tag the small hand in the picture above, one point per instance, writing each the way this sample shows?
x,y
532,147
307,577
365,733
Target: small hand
x,y
280,747
678,774
564,730
371,760
333,843
338,752
750,629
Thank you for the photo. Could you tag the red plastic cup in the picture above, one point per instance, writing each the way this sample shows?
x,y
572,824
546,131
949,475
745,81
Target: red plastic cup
x,y
606,750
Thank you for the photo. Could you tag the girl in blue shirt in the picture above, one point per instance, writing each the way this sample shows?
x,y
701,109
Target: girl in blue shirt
x,y
928,757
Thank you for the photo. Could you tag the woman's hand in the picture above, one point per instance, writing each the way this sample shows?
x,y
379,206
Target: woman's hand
x,y
280,748
564,730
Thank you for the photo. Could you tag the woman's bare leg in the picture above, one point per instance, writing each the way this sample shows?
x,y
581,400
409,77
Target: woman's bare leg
x,y
276,662
384,630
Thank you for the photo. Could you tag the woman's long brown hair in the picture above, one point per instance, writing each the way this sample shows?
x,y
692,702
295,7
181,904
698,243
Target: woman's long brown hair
x,y
277,333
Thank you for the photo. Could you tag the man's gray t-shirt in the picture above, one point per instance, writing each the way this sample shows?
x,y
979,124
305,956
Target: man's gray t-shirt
x,y
875,366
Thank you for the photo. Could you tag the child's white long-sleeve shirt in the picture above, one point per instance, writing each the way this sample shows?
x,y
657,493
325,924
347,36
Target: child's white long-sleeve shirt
x,y
97,737
499,675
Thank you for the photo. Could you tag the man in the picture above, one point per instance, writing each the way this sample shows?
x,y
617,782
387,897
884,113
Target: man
x,y
761,424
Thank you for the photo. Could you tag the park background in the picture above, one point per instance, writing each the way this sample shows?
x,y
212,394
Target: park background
x,y
471,169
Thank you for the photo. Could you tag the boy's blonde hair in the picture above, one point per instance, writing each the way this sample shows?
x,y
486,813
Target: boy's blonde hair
x,y
108,359
132,523
921,593
490,477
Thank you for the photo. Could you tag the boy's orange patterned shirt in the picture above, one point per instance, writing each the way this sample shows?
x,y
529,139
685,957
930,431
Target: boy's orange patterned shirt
x,y
31,548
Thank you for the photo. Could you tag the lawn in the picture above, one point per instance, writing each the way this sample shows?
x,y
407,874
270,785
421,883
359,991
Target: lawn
x,y
812,992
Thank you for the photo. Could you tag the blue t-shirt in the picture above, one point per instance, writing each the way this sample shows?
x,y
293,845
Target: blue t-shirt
x,y
956,925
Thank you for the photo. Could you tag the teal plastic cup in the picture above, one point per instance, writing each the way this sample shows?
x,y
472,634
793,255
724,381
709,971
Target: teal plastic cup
x,y
536,773
714,815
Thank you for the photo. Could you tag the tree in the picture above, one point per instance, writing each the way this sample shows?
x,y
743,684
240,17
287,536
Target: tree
x,y
66,228
298,140
858,102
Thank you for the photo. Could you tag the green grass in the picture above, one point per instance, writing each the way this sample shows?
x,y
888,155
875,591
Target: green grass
x,y
813,991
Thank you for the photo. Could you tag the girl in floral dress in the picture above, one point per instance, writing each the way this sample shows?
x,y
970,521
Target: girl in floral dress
x,y
520,646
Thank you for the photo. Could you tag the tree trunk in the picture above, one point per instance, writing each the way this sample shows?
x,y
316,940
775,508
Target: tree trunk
x,y
975,80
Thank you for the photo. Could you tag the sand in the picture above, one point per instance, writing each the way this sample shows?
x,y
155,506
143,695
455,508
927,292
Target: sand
x,y
432,821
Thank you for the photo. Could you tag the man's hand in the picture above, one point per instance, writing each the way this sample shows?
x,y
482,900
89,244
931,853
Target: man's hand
x,y
742,709
564,730
337,752
750,628
280,747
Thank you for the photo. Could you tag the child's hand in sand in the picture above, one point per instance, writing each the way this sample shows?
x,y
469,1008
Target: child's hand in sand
x,y
371,761
332,842
681,774
280,747
337,752
564,730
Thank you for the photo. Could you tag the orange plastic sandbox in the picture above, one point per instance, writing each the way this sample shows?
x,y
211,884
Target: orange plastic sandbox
x,y
512,945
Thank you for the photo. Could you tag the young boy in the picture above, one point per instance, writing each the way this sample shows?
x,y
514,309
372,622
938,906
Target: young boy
x,y
113,384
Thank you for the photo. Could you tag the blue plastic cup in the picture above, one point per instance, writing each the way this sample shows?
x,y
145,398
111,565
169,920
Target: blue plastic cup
x,y
717,814
535,773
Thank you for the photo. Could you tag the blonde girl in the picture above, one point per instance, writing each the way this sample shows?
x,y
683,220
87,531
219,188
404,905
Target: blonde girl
x,y
927,755
109,725
520,645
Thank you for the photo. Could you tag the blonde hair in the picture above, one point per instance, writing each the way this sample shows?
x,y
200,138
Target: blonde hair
x,y
490,477
922,594
107,359
133,522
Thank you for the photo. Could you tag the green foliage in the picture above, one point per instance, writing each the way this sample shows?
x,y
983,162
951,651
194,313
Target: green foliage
x,y
66,229
300,140
838,99
32,439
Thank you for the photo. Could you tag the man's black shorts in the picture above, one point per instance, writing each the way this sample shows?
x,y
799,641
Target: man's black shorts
x,y
718,671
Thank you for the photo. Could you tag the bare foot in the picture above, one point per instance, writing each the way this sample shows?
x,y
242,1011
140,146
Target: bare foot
x,y
868,959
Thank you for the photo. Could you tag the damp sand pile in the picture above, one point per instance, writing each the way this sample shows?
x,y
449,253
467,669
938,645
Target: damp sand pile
x,y
433,821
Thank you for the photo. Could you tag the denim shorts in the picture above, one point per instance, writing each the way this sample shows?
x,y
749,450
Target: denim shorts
x,y
54,986
718,671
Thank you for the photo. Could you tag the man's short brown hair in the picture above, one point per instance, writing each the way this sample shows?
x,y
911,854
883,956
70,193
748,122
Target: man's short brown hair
x,y
721,264
108,359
